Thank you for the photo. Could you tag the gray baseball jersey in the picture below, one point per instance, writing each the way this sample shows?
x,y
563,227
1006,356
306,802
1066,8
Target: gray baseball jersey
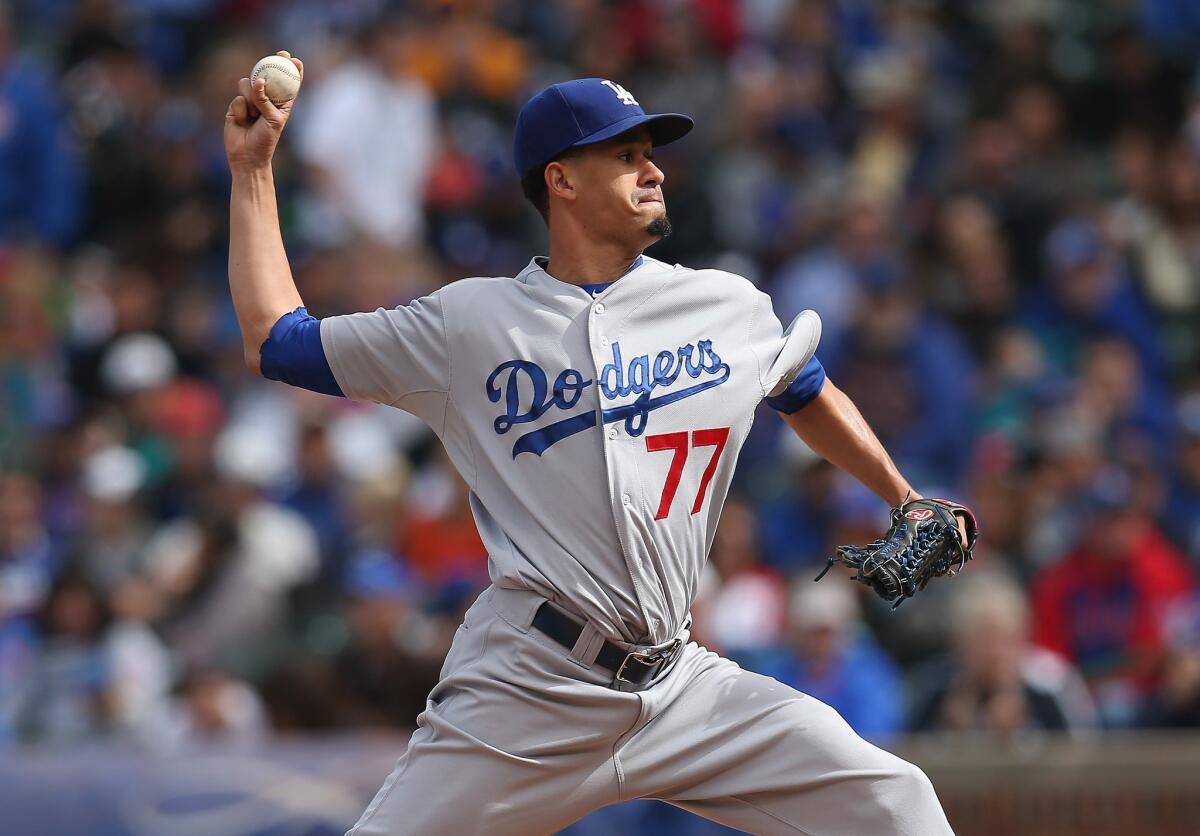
x,y
598,434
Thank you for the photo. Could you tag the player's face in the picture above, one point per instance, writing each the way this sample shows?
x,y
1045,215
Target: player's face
x,y
620,189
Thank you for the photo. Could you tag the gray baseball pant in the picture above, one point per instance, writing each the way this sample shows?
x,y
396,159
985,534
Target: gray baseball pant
x,y
522,737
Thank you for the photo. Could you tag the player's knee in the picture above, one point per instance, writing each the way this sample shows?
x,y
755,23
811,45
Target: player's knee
x,y
915,782
907,800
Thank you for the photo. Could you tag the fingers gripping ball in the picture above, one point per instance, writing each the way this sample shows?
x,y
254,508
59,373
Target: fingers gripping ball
x,y
281,77
924,542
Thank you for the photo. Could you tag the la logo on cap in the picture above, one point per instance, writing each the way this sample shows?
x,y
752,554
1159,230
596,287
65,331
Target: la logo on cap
x,y
622,94
580,112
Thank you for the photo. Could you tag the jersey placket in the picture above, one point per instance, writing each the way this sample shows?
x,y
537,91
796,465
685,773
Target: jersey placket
x,y
624,490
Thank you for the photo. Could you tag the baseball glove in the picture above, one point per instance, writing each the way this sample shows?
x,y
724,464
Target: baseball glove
x,y
924,542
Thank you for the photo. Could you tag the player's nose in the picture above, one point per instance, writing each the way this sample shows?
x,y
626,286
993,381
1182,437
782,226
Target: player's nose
x,y
651,175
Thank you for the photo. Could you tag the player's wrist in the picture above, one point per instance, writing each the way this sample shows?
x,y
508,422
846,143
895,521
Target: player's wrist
x,y
252,171
253,179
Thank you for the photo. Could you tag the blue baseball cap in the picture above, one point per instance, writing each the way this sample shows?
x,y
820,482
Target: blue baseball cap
x,y
377,575
581,112
1074,243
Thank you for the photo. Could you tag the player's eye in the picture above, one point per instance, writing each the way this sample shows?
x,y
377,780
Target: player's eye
x,y
625,157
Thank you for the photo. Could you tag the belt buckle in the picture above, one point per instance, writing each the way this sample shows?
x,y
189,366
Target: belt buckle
x,y
658,657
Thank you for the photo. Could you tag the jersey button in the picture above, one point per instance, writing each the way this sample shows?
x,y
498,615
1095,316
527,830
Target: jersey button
x,y
599,308
626,500
612,432
603,340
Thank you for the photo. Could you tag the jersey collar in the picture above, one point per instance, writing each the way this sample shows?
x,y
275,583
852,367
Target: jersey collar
x,y
535,273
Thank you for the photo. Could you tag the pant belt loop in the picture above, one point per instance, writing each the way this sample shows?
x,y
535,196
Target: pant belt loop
x,y
587,646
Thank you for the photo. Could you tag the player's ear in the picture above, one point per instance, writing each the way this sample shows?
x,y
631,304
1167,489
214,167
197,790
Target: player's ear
x,y
559,182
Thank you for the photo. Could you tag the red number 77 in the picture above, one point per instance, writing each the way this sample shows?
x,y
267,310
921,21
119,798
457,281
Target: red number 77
x,y
678,443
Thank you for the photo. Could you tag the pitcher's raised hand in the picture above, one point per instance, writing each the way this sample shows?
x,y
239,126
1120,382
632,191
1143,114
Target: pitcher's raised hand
x,y
253,124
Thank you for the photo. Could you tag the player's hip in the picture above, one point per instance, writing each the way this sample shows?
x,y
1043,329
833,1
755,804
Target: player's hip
x,y
508,686
516,639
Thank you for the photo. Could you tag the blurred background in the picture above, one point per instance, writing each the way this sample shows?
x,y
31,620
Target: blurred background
x,y
222,601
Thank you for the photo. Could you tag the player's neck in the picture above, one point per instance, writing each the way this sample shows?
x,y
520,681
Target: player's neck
x,y
590,265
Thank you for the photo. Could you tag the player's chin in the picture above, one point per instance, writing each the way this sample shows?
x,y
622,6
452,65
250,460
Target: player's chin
x,y
654,214
660,227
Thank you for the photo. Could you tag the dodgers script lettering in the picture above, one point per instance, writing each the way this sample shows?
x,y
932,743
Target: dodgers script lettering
x,y
527,393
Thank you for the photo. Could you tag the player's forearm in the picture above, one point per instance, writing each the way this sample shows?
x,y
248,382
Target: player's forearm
x,y
259,276
834,428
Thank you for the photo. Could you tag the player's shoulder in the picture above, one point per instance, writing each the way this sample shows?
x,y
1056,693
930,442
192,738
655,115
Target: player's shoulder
x,y
477,283
729,285
714,274
473,287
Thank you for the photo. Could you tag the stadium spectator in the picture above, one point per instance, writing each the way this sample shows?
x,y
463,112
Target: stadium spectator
x,y
909,373
1177,704
995,681
1134,410
741,605
438,537
29,559
392,658
318,496
40,177
829,653
1090,296
833,279
224,578
209,707
368,133
794,523
1182,511
35,390
975,288
29,563
94,675
1103,603
109,547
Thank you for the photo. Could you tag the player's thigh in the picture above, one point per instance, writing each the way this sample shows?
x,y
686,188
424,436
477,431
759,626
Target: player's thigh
x,y
747,751
450,782
510,742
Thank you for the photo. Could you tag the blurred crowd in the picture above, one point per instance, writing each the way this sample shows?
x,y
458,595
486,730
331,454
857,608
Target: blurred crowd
x,y
995,208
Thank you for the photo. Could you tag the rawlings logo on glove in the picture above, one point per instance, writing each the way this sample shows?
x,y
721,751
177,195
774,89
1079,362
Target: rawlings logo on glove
x,y
924,542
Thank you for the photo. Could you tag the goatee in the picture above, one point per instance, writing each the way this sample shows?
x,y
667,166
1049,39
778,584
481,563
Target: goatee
x,y
660,227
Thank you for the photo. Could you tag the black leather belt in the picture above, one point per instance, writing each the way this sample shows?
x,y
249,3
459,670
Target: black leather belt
x,y
630,668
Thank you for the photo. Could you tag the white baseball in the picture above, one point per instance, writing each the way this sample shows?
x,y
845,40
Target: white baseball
x,y
281,75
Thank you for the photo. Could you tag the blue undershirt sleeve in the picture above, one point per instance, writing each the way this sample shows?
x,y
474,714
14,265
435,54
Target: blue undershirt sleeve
x,y
292,354
802,391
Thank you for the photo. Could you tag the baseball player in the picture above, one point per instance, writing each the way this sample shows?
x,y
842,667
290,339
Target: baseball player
x,y
595,403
